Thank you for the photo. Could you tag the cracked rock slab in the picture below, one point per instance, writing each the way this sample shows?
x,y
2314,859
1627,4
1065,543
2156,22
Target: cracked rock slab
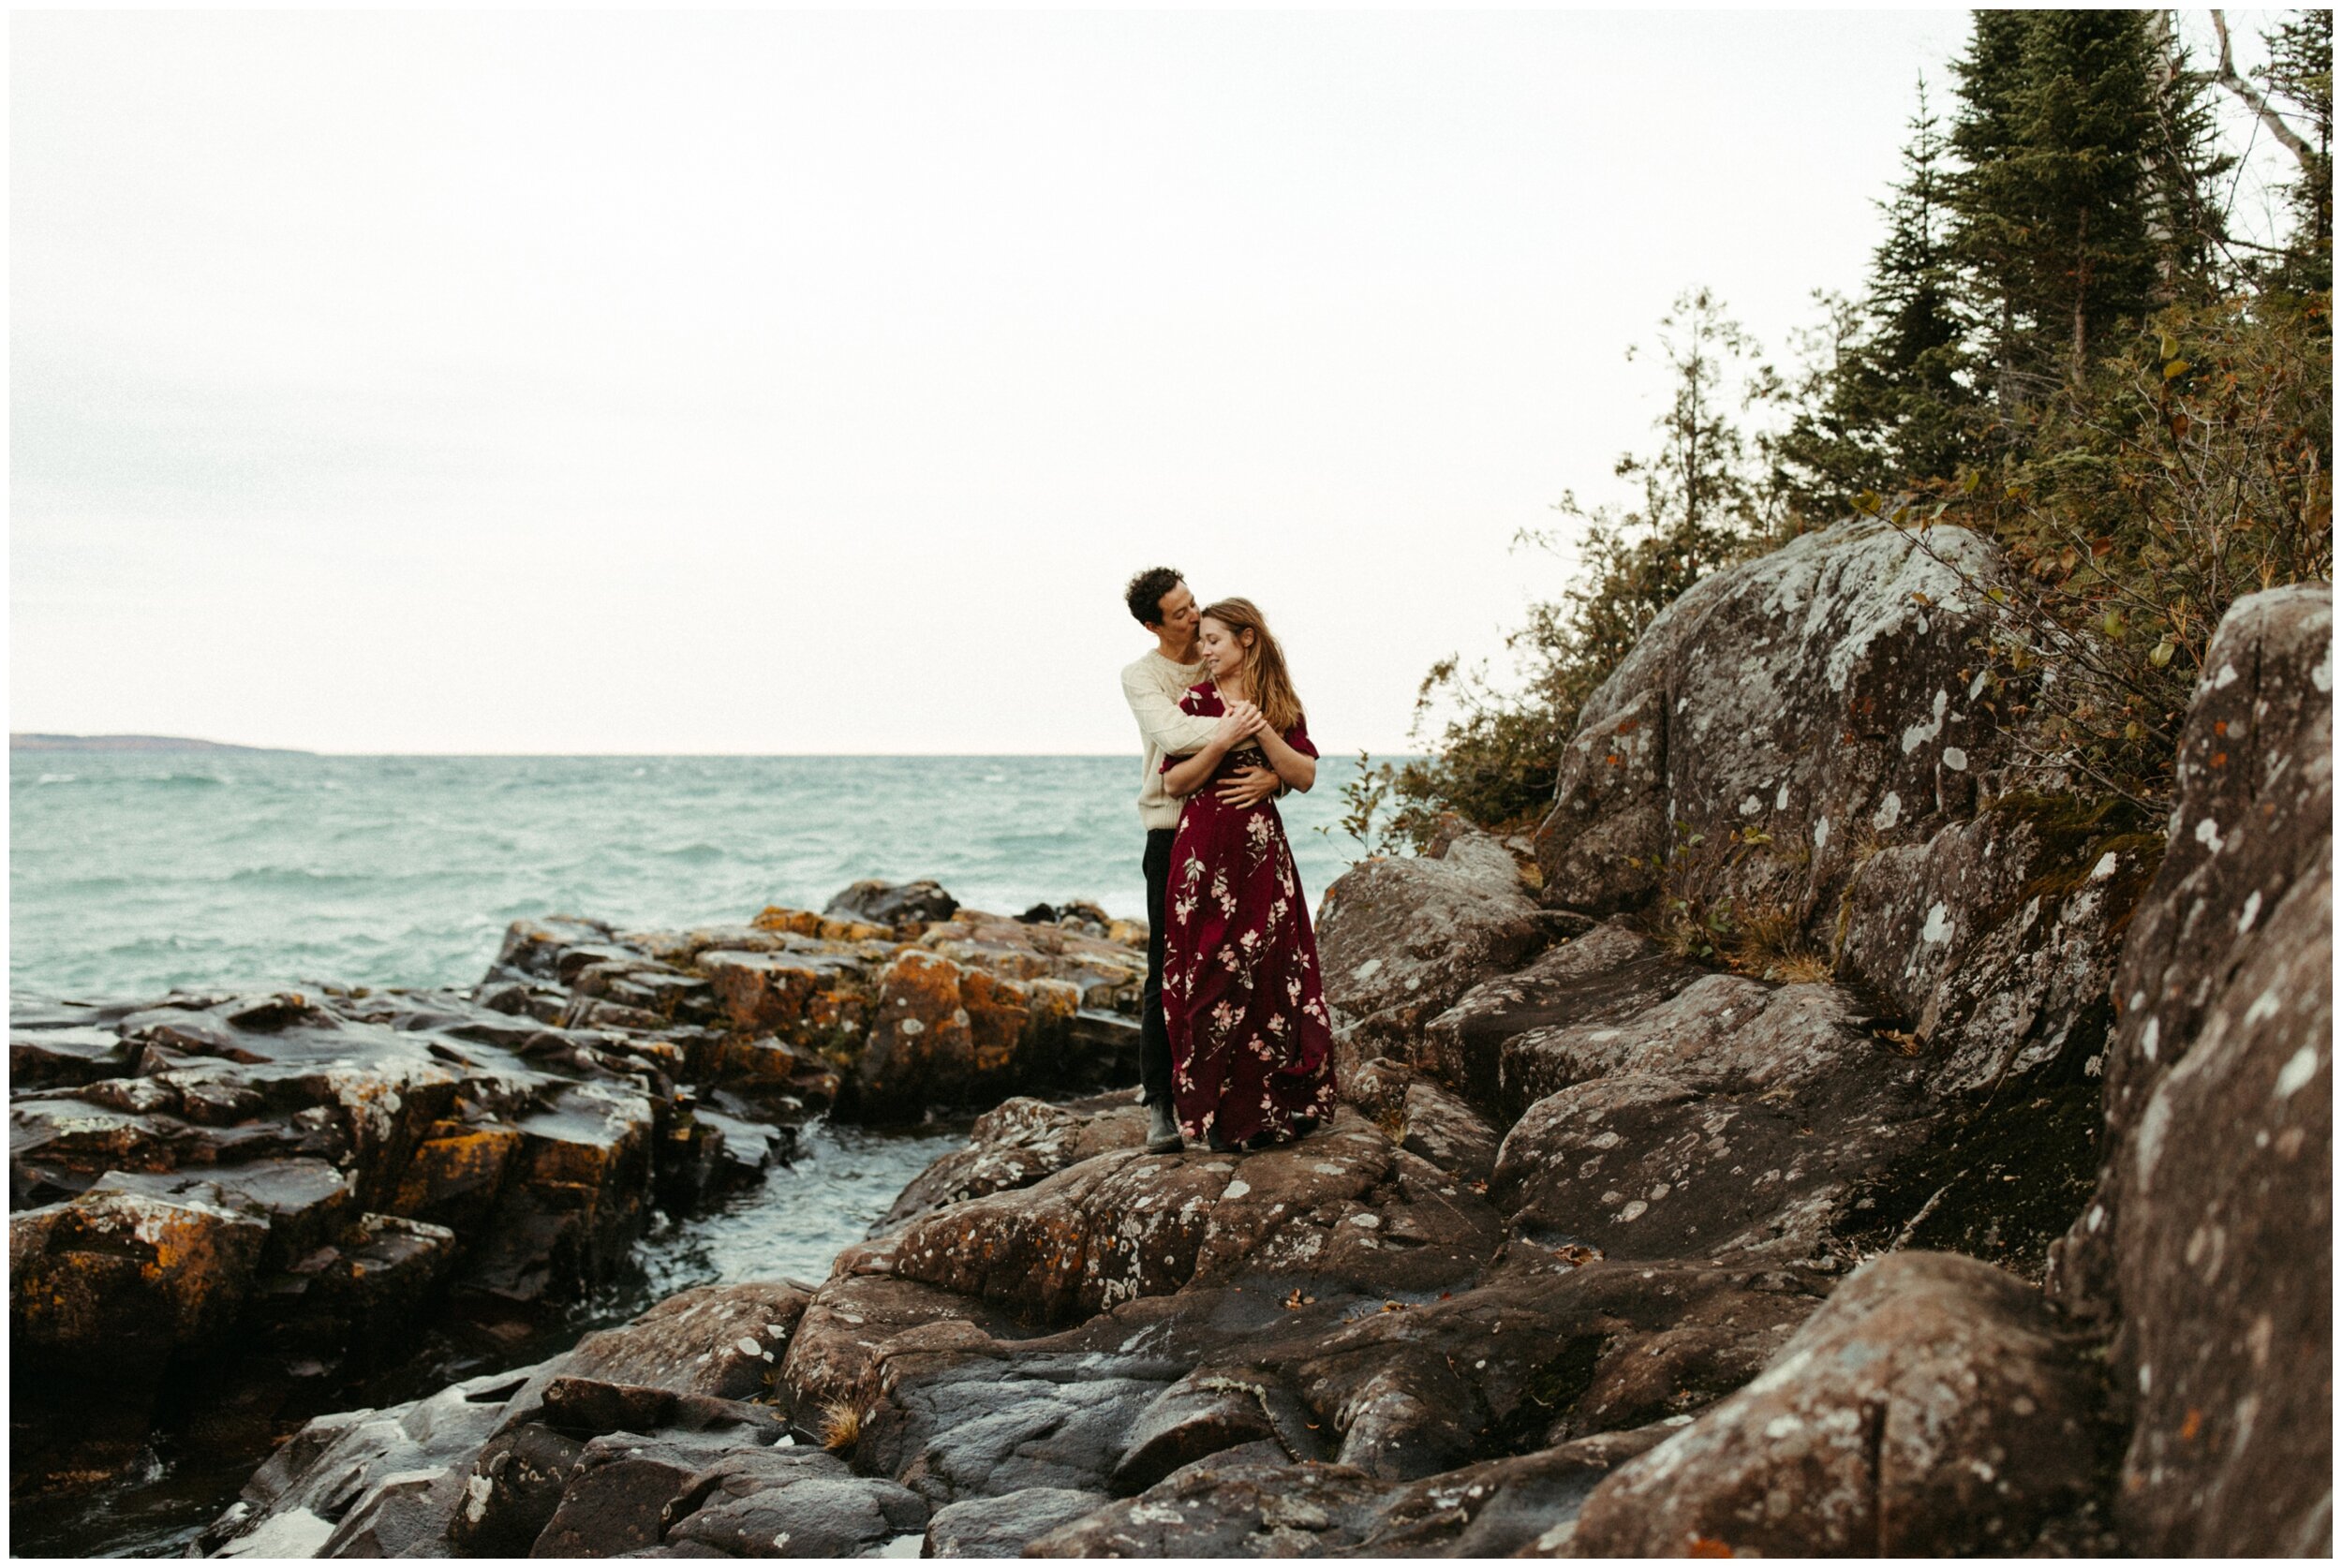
x,y
1930,1408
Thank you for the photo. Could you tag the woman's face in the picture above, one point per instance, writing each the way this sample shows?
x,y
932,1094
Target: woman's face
x,y
1221,648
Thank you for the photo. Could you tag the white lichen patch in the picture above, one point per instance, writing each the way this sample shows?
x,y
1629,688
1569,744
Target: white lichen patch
x,y
1917,735
1889,813
2299,1068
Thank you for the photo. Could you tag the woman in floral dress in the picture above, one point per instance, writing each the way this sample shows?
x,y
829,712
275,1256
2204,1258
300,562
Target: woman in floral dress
x,y
1252,1046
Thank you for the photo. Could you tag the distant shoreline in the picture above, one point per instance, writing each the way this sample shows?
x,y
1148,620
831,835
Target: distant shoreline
x,y
24,740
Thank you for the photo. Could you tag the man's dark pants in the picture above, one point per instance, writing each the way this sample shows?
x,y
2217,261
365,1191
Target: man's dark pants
x,y
1154,1036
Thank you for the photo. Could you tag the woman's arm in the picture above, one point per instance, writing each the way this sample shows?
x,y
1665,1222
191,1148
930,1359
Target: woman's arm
x,y
1186,777
1298,769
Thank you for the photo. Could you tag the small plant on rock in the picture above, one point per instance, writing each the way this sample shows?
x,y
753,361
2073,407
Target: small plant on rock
x,y
841,1425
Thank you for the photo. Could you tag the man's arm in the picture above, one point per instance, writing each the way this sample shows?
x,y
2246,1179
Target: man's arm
x,y
1161,720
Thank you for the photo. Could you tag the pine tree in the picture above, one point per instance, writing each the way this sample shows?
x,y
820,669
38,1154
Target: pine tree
x,y
1884,403
1992,219
1913,368
2080,202
2089,118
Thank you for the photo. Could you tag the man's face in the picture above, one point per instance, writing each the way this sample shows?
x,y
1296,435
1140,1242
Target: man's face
x,y
1180,616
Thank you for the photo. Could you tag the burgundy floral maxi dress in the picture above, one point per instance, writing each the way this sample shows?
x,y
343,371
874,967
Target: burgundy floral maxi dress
x,y
1252,1046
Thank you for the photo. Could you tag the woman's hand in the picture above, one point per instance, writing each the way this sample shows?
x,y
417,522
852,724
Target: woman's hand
x,y
1241,722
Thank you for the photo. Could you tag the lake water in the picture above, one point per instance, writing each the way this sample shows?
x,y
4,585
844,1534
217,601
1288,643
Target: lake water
x,y
131,873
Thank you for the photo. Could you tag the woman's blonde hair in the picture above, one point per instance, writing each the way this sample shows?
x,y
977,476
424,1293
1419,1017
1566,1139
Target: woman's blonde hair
x,y
1264,677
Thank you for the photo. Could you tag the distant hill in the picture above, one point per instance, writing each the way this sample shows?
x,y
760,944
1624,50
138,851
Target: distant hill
x,y
20,741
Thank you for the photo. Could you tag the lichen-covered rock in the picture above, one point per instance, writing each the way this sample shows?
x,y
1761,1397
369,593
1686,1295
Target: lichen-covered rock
x,y
1787,711
1017,1143
1997,938
576,1196
944,1033
2226,1266
2208,1235
1401,939
1930,1409
816,998
129,1275
1723,1033
846,1329
1609,974
1341,1205
2254,781
1644,1166
1108,971
724,1341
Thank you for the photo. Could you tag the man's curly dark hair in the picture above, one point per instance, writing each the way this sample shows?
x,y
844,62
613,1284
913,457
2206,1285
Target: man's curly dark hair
x,y
1144,594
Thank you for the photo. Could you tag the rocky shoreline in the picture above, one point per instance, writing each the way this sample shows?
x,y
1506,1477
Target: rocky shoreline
x,y
1982,1205
230,1211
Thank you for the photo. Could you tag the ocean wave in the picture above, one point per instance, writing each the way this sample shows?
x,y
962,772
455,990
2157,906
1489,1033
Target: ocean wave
x,y
300,876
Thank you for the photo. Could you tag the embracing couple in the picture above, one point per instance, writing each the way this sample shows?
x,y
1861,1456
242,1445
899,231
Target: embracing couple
x,y
1237,1048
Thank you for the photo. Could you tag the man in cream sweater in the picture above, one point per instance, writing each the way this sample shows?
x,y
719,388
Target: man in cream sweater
x,y
1160,602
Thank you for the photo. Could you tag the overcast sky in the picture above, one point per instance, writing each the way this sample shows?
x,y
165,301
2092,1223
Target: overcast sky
x,y
795,382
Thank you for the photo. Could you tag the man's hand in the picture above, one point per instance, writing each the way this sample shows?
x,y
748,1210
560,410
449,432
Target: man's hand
x,y
1248,786
1242,720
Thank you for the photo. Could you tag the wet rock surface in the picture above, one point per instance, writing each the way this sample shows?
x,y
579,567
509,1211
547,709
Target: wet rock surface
x,y
274,1193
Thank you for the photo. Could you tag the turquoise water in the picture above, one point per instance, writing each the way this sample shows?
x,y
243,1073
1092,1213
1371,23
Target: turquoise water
x,y
132,873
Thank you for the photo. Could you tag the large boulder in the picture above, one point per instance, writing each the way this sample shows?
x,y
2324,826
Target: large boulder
x,y
1401,939
2210,1234
1779,720
1930,1409
1342,1205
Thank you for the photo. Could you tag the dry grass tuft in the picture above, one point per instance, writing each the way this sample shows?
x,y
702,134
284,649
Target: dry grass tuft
x,y
841,1425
